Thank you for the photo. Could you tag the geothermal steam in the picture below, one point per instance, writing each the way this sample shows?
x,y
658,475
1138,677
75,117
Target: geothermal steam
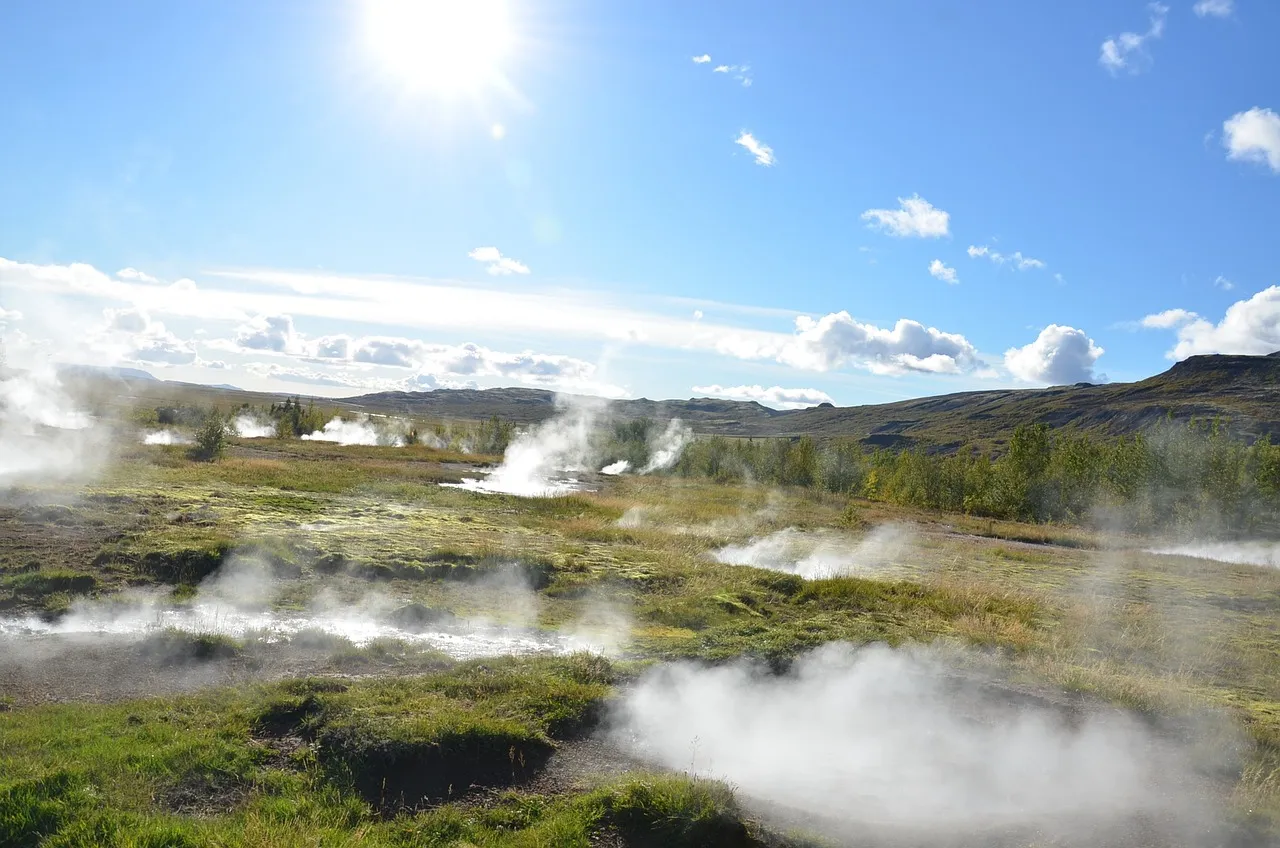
x,y
539,462
42,433
877,738
1237,553
248,427
819,555
354,433
665,451
237,600
165,437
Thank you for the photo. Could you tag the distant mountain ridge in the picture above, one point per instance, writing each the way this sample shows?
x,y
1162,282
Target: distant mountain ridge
x,y
1243,390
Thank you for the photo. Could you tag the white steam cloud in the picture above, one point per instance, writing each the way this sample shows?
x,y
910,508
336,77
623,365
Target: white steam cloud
x,y
815,556
346,432
665,450
165,437
886,741
540,461
537,460
248,427
1237,553
42,432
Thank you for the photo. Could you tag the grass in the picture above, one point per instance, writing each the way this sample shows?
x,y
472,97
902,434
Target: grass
x,y
1051,607
215,768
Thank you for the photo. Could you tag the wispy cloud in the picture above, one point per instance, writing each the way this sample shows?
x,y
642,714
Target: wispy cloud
x,y
761,151
1223,283
702,60
741,73
135,274
496,263
1214,8
914,216
262,313
1127,51
942,272
1253,136
773,396
1016,259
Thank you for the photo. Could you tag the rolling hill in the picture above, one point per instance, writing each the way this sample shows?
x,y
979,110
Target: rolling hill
x,y
1243,391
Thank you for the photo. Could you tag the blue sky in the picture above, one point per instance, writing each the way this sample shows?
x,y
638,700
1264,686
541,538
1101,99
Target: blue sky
x,y
299,201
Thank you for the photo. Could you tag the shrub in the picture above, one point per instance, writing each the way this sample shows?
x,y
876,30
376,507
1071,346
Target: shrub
x,y
211,438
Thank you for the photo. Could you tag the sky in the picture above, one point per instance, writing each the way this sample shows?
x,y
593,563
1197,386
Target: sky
x,y
853,201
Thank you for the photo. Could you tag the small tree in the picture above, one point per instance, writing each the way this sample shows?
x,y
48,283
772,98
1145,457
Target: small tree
x,y
211,438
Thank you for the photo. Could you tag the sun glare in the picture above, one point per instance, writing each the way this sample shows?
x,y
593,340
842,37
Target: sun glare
x,y
448,47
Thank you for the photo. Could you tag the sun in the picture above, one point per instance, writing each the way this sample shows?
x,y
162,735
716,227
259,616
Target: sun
x,y
446,47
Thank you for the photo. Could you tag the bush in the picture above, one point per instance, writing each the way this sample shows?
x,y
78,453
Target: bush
x,y
211,438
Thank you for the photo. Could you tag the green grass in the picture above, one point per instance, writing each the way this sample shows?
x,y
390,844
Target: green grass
x,y
215,768
1054,607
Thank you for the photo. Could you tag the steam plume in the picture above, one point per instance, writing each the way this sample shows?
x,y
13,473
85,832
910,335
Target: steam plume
x,y
165,437
42,432
1237,553
248,427
665,451
814,556
886,740
354,433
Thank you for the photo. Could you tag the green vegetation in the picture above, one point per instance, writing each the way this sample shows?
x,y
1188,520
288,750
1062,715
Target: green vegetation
x,y
324,742
1189,475
318,761
211,438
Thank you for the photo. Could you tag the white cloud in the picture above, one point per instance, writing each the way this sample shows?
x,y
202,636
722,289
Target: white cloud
x,y
837,340
942,272
10,314
406,306
130,334
1223,283
760,150
914,217
1022,263
315,377
1249,327
127,320
1253,136
702,60
1127,51
397,353
774,396
741,73
1214,8
1058,356
496,263
332,347
437,360
270,333
1168,319
135,274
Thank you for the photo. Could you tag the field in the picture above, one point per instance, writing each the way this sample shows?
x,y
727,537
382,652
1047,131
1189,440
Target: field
x,y
308,644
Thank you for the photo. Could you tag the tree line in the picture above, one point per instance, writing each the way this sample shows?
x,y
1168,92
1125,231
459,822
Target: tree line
x,y
1192,474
